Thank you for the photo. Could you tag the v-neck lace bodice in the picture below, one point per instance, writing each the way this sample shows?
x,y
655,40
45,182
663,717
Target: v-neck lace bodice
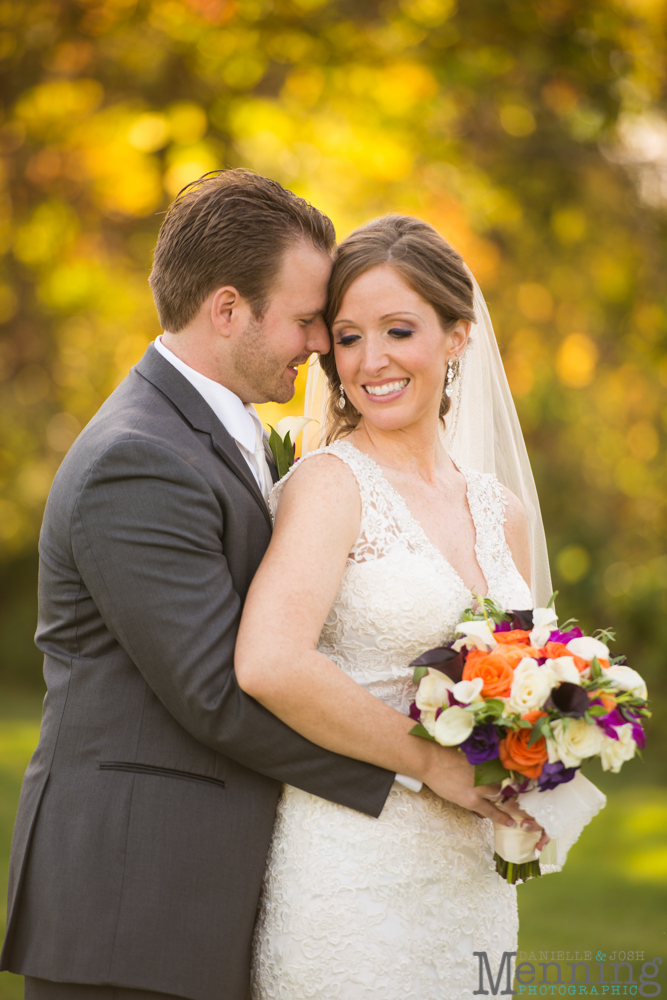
x,y
399,595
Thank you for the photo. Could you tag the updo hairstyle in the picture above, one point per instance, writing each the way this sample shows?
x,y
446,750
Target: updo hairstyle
x,y
425,261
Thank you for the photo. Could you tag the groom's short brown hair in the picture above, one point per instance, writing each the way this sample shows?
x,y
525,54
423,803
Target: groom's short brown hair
x,y
230,227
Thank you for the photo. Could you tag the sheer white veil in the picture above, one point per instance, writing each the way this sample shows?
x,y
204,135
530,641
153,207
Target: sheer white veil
x,y
482,431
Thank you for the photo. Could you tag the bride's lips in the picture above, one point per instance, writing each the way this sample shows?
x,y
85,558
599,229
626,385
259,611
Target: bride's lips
x,y
385,391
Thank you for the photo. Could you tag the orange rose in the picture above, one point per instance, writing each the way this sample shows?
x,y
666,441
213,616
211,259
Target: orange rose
x,y
533,716
516,635
516,755
494,668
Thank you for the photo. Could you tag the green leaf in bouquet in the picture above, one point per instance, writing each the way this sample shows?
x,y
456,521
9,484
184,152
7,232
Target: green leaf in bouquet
x,y
566,626
552,599
523,723
494,707
490,772
605,635
596,669
420,730
419,673
540,729
596,710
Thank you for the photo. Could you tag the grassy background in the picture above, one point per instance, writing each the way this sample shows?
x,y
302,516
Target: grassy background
x,y
612,895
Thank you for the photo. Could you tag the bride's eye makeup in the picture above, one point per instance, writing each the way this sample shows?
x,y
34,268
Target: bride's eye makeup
x,y
400,333
347,338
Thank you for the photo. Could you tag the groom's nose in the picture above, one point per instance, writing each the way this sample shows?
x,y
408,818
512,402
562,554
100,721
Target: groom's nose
x,y
318,337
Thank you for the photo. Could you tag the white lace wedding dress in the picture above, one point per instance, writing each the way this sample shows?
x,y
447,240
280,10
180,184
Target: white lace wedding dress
x,y
356,908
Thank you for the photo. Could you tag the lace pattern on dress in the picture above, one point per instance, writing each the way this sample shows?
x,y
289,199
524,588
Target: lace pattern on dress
x,y
357,908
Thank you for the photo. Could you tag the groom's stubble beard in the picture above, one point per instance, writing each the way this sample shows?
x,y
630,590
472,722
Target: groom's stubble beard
x,y
258,366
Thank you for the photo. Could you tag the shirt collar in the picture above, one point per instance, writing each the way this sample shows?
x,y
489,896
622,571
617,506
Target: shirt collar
x,y
239,418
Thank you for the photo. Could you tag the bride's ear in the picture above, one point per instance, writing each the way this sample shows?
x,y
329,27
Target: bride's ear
x,y
458,336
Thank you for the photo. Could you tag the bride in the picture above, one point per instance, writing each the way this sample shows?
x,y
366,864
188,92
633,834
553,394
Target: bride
x,y
382,539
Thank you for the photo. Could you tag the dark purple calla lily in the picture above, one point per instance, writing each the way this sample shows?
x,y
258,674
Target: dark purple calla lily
x,y
569,700
482,744
445,659
503,626
522,620
555,774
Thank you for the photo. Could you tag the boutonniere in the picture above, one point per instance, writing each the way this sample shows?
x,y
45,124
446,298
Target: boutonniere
x,y
282,441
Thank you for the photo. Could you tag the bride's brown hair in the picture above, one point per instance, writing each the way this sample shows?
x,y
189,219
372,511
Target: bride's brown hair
x,y
425,261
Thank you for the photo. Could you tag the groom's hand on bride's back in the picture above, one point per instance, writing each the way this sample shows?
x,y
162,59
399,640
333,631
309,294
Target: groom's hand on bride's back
x,y
451,777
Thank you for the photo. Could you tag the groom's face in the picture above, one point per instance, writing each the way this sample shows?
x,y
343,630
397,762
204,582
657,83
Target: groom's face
x,y
270,349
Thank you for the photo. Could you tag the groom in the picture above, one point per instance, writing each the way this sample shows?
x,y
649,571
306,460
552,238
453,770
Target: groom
x,y
147,808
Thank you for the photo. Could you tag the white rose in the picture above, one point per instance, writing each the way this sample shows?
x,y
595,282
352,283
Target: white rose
x,y
544,622
564,669
531,685
477,635
468,691
433,691
574,744
453,726
587,647
613,753
627,679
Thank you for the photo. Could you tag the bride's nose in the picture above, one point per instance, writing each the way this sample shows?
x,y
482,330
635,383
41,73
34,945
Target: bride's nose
x,y
374,357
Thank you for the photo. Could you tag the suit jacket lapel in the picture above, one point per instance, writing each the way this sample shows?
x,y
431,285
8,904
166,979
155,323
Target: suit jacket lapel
x,y
155,369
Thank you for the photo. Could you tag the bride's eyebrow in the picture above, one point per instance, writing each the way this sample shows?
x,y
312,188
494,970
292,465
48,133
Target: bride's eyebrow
x,y
398,314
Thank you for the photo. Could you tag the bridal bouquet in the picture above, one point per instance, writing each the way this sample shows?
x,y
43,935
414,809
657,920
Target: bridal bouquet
x,y
528,702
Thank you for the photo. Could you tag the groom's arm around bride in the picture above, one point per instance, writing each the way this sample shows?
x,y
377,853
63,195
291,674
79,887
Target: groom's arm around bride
x,y
147,808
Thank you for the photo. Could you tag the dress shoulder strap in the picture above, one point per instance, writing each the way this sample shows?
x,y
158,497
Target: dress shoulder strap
x,y
379,527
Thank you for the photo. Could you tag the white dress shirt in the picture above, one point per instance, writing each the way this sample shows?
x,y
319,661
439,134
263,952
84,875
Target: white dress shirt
x,y
243,423
240,419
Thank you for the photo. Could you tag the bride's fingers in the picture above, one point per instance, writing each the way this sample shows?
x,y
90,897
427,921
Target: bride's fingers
x,y
489,811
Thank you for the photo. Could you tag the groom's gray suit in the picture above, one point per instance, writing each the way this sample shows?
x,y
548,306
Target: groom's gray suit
x,y
147,808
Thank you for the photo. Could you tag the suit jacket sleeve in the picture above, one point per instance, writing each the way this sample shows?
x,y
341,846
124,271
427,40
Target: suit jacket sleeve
x,y
146,537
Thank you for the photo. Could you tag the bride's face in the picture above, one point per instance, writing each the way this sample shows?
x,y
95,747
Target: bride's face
x,y
391,351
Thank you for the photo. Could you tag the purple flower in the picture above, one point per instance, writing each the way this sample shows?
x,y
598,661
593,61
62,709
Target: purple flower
x,y
612,721
554,774
564,637
482,744
445,659
414,712
522,620
503,626
569,700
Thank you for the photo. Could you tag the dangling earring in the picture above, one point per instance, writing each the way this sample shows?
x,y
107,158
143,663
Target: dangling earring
x,y
341,400
452,372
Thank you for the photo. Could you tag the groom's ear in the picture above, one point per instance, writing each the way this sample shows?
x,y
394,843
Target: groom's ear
x,y
229,311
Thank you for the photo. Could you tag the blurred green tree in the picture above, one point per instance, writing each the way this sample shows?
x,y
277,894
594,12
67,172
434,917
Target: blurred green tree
x,y
530,132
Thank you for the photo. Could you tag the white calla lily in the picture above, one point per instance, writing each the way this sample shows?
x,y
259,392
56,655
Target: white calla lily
x,y
433,691
627,679
468,691
544,622
477,635
564,669
293,425
453,726
587,648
